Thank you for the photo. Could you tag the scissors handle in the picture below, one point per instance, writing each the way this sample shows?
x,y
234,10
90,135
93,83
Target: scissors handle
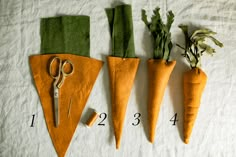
x,y
65,74
59,70
63,66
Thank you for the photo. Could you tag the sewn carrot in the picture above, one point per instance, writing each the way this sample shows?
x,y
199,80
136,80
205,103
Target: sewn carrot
x,y
122,73
122,64
194,83
194,79
158,75
159,68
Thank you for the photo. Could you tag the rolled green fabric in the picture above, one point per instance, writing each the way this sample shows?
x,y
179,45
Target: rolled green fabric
x,y
66,34
121,29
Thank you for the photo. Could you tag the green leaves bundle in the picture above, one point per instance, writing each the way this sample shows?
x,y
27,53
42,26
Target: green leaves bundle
x,y
121,29
160,33
66,34
195,45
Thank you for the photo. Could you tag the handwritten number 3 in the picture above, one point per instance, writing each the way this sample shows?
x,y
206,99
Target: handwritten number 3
x,y
137,118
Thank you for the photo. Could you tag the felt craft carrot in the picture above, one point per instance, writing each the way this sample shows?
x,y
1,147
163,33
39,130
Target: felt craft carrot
x,y
60,36
122,65
194,79
159,68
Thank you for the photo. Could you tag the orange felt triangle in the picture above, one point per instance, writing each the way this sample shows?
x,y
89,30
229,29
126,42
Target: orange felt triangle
x,y
122,73
76,89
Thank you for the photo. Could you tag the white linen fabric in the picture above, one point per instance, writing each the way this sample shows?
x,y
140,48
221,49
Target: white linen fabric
x,y
214,132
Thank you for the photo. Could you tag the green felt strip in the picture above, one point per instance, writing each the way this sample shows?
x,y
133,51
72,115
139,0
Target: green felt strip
x,y
65,34
121,29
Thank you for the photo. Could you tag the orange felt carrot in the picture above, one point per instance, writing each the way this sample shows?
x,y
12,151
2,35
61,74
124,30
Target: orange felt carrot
x,y
122,65
194,79
194,83
158,75
122,73
159,68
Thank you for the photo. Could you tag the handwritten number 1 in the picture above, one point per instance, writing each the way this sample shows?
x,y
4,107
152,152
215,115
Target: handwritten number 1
x,y
32,123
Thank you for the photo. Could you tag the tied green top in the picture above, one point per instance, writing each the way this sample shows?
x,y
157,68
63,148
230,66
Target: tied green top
x,y
121,29
66,34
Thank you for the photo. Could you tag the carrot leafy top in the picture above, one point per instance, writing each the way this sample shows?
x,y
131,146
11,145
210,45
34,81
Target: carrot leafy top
x,y
160,33
195,45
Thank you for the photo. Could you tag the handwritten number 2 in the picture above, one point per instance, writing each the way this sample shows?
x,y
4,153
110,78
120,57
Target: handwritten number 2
x,y
104,117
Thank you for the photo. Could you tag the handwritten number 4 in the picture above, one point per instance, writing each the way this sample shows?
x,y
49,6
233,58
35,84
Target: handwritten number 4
x,y
174,119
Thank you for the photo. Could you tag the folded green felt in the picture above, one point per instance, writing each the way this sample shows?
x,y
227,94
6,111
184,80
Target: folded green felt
x,y
65,34
121,29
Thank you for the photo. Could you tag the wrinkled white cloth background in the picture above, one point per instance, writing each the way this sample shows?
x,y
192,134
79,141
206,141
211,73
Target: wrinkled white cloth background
x,y
214,133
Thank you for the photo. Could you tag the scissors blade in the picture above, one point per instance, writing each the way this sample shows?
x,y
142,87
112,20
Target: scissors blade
x,y
56,106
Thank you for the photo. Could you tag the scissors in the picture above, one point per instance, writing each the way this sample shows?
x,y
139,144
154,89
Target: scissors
x,y
59,81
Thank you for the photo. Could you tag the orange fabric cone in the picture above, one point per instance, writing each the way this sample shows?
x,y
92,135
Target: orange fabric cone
x,y
194,84
122,72
158,76
76,89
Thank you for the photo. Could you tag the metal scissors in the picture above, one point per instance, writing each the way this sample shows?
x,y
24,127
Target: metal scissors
x,y
59,81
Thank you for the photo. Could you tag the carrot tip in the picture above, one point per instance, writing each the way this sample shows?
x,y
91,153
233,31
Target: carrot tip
x,y
117,147
151,139
186,141
117,144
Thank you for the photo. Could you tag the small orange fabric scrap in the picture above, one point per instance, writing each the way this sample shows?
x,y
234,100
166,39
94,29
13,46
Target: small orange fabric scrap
x,y
92,119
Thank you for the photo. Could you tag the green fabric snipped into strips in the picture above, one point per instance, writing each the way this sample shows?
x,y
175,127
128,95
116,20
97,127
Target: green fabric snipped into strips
x,y
121,29
66,34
